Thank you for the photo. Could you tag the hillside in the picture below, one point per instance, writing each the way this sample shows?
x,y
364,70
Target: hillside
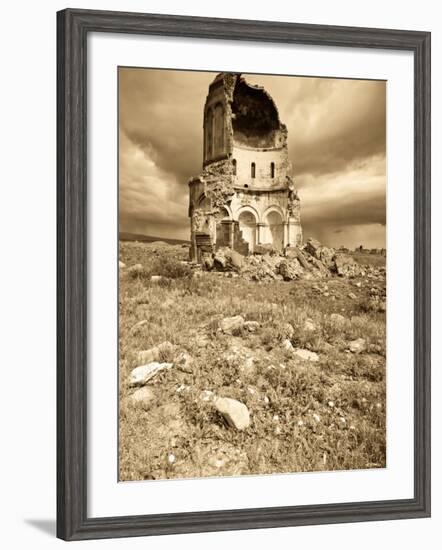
x,y
125,236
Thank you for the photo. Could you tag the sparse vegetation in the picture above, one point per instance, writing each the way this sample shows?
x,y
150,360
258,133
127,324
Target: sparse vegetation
x,y
305,416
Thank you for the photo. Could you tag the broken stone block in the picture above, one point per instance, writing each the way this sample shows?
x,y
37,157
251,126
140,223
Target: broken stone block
x,y
290,270
306,355
346,266
207,261
141,375
231,324
357,346
287,345
236,413
312,246
251,326
156,353
264,249
236,259
143,397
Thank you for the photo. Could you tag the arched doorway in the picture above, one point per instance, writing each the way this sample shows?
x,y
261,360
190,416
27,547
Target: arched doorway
x,y
275,229
223,228
247,226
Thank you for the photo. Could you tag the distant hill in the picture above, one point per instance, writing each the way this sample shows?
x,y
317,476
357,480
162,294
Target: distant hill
x,y
123,236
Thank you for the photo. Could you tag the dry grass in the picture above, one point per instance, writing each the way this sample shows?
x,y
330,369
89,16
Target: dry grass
x,y
328,415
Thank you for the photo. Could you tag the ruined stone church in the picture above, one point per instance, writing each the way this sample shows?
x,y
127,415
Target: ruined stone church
x,y
245,196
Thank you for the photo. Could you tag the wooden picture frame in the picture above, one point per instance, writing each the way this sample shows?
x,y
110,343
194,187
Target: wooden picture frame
x,y
73,27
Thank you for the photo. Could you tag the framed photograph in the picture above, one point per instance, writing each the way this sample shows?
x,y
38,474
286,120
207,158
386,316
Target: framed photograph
x,y
243,274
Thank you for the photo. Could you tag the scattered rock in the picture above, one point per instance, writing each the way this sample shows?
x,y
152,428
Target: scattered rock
x,y
324,254
309,325
357,346
337,318
306,355
207,395
251,326
346,266
352,296
322,270
143,397
266,248
290,270
207,261
220,260
294,252
229,325
287,345
312,246
156,278
155,354
226,259
141,375
287,331
236,413
121,265
236,259
184,361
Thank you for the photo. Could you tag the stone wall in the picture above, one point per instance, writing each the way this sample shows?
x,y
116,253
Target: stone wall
x,y
263,160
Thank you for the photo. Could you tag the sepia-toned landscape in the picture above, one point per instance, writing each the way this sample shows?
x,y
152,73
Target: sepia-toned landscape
x,y
252,280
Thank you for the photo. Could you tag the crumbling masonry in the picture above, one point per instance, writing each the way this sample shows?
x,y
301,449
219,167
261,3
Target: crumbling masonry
x,y
244,197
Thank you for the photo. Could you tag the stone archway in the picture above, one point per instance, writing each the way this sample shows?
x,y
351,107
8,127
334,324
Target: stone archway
x,y
275,233
248,226
223,228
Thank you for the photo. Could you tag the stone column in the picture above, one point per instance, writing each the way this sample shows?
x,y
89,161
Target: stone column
x,y
260,226
231,234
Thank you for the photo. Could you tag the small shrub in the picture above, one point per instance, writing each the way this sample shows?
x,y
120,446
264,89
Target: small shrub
x,y
170,268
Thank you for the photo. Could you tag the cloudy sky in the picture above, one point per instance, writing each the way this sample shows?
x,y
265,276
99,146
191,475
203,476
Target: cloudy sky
x,y
336,140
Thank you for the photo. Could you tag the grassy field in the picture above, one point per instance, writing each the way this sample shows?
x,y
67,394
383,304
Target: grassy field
x,y
305,416
376,260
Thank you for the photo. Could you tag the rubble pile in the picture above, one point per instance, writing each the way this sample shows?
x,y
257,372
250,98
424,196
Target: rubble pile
x,y
310,261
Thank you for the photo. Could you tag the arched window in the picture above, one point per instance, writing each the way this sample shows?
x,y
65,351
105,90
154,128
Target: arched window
x,y
253,170
234,166
272,170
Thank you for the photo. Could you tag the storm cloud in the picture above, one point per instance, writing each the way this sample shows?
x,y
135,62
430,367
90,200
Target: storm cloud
x,y
336,140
